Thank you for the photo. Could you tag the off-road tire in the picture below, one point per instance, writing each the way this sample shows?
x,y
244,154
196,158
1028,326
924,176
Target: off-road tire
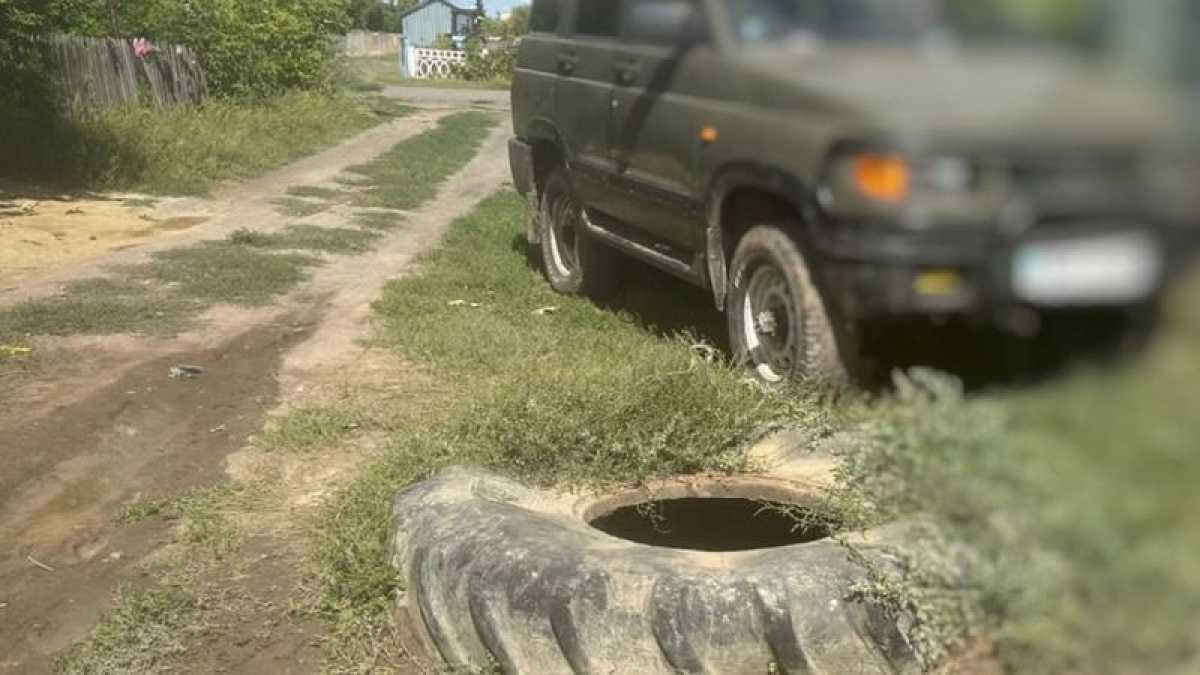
x,y
573,261
494,575
770,282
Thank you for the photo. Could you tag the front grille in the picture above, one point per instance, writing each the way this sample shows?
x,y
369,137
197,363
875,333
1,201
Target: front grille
x,y
1069,190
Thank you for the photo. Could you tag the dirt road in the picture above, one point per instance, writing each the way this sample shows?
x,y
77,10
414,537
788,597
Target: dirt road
x,y
104,424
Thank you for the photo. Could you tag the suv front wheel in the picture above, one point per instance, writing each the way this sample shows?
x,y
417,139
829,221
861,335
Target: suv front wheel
x,y
778,323
573,261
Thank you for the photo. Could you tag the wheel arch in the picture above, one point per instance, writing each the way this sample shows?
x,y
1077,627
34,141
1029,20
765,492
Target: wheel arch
x,y
548,151
740,195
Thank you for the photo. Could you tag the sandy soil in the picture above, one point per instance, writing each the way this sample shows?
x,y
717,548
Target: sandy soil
x,y
40,231
102,424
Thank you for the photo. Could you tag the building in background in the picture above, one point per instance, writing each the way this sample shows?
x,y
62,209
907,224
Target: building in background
x,y
430,20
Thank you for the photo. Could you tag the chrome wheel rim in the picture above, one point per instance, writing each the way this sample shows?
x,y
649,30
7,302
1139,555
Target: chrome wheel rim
x,y
770,324
564,236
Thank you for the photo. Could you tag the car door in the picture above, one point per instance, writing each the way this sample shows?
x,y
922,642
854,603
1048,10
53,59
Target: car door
x,y
583,99
663,99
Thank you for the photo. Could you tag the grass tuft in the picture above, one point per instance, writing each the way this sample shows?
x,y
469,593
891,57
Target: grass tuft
x,y
97,306
315,192
182,149
379,220
408,175
294,207
214,272
143,629
311,428
200,514
308,238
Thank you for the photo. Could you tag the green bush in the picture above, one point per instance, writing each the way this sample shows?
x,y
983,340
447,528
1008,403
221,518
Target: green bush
x,y
495,65
20,59
180,149
262,47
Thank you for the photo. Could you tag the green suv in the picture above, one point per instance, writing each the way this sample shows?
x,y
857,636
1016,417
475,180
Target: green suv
x,y
827,167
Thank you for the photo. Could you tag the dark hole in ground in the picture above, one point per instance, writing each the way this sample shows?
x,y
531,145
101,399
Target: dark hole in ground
x,y
714,524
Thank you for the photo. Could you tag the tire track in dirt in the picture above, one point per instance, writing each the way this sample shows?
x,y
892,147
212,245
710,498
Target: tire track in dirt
x,y
107,425
233,206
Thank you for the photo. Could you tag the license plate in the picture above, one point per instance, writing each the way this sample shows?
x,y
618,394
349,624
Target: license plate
x,y
1113,269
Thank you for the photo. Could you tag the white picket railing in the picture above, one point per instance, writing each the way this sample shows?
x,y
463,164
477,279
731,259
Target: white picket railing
x,y
434,63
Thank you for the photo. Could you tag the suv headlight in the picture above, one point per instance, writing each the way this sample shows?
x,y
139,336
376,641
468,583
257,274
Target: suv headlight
x,y
914,192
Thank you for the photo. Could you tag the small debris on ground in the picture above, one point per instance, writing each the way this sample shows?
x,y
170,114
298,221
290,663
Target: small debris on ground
x,y
545,311
464,303
182,371
15,350
37,563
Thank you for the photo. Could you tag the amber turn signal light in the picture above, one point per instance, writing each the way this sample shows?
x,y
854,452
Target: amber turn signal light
x,y
884,178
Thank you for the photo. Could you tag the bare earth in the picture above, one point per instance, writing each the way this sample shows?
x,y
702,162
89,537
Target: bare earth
x,y
102,424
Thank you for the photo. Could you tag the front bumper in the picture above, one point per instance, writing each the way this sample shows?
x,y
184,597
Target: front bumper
x,y
870,273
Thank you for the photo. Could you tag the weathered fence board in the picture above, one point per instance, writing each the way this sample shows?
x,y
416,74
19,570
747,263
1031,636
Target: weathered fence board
x,y
99,72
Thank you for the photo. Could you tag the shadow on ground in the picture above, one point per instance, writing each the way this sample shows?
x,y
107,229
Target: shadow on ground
x,y
982,356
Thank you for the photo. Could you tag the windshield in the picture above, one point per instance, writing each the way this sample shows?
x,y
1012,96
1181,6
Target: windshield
x,y
1154,35
890,20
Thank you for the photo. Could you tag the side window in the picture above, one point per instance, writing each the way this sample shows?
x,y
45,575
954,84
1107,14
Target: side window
x,y
665,23
543,18
598,18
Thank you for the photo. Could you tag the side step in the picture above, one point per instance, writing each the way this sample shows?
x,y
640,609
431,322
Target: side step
x,y
691,271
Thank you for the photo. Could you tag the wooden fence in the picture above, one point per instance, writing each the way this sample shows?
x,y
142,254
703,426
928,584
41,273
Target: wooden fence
x,y
100,72
367,43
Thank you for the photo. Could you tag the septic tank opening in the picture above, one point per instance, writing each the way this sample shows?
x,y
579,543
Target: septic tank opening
x,y
714,524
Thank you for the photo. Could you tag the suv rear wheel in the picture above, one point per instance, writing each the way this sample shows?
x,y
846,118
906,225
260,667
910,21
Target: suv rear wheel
x,y
778,323
573,261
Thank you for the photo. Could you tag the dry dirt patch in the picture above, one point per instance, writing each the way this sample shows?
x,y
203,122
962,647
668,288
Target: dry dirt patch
x,y
46,231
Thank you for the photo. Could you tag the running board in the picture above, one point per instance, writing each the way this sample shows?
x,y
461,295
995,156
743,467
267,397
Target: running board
x,y
693,272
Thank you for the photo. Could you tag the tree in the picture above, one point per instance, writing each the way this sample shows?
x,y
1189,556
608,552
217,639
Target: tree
x,y
20,59
516,25
378,15
518,20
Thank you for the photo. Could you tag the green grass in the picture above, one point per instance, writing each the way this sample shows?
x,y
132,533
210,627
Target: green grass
x,y
379,220
164,296
181,150
294,207
143,629
315,192
249,268
200,513
583,395
409,174
338,240
96,307
1077,501
1062,519
221,271
311,428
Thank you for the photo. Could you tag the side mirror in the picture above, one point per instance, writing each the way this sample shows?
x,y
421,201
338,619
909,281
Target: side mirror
x,y
663,22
